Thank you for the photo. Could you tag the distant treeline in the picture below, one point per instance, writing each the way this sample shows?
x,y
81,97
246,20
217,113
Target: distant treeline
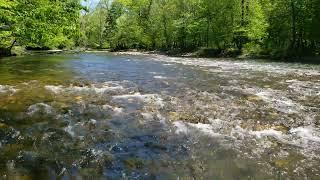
x,y
278,28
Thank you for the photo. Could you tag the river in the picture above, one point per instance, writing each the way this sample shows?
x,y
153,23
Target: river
x,y
134,116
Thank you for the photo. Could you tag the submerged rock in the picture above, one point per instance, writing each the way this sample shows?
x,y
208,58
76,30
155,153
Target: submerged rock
x,y
89,111
62,107
9,135
3,125
133,163
288,162
40,109
191,117
258,126
30,161
6,89
153,145
92,158
254,98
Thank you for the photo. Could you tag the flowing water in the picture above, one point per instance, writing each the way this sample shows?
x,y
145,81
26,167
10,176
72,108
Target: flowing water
x,y
120,116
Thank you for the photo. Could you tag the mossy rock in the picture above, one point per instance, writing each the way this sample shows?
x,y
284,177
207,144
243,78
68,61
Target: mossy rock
x,y
174,116
282,163
197,168
288,162
81,83
317,120
188,117
253,98
61,106
90,172
3,126
133,163
11,150
281,128
260,127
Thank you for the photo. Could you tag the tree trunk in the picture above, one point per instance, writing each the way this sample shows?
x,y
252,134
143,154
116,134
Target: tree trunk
x,y
242,12
207,33
101,30
165,32
293,14
13,43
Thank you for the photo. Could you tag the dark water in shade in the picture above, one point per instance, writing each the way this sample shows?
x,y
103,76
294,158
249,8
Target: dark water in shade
x,y
108,116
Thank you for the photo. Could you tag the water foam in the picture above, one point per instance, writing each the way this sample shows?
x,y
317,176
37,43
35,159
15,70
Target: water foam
x,y
279,101
188,128
308,133
54,89
238,67
305,137
40,108
160,77
115,110
96,88
275,98
305,88
6,89
146,98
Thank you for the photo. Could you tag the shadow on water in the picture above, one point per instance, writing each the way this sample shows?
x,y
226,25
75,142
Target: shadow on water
x,y
48,69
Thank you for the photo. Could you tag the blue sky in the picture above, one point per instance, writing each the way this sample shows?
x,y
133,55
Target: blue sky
x,y
91,3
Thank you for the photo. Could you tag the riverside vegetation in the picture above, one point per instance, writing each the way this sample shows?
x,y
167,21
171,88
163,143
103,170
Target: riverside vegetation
x,y
272,28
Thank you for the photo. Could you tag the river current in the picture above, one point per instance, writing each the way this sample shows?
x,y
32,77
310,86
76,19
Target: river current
x,y
135,116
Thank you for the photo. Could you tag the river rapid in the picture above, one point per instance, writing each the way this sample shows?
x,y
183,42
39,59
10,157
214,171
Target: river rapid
x,y
134,116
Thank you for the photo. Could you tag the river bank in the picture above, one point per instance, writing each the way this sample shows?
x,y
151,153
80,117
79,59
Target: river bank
x,y
202,53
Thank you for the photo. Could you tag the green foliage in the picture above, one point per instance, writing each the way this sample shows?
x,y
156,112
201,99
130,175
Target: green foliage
x,y
39,23
293,27
93,25
7,19
275,27
45,23
258,26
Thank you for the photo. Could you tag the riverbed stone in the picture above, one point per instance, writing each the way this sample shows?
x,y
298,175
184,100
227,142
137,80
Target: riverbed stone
x,y
153,145
30,160
3,125
191,117
317,120
9,135
254,98
61,106
40,109
133,163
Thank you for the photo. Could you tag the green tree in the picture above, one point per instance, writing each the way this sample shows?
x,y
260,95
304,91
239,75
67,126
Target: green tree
x,y
7,21
47,24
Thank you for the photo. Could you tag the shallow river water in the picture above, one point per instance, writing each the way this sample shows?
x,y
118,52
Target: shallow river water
x,y
120,116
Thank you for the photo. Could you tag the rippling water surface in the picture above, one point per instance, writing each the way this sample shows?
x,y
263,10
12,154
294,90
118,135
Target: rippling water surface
x,y
156,117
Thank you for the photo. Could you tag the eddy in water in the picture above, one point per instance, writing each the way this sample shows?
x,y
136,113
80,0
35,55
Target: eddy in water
x,y
155,117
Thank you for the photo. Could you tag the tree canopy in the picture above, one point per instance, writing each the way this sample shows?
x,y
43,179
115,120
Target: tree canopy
x,y
271,27
276,27
42,24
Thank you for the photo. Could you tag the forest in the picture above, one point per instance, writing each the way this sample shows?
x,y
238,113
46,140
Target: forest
x,y
273,28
